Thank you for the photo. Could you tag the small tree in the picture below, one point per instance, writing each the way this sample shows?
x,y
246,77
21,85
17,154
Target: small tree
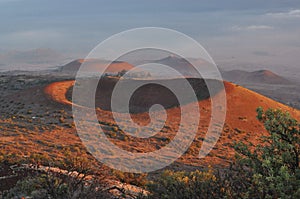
x,y
274,165
269,170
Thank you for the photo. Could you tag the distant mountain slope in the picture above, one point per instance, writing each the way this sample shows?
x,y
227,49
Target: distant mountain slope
x,y
267,83
181,65
92,65
260,76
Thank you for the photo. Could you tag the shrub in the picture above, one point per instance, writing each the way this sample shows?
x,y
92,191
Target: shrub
x,y
75,181
270,170
56,186
274,166
197,184
131,178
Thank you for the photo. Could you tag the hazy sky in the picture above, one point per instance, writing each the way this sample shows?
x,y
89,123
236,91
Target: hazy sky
x,y
237,33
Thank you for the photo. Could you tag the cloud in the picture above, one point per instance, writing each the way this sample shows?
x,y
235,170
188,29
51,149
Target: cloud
x,y
289,14
252,27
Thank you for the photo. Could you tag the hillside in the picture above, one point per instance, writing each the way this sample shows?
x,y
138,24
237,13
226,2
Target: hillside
x,y
93,65
36,121
181,65
258,77
268,84
241,123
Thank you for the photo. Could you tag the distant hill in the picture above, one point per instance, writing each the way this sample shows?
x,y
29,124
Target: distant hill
x,y
181,65
93,65
260,77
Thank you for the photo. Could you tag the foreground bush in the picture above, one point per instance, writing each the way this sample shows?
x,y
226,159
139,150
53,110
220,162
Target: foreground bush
x,y
76,180
270,170
274,166
197,184
52,185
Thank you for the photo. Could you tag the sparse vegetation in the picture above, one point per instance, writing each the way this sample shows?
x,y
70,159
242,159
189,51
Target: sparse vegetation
x,y
131,178
59,184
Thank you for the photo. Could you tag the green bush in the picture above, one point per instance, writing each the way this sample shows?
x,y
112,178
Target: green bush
x,y
131,178
274,165
75,181
52,185
197,184
269,170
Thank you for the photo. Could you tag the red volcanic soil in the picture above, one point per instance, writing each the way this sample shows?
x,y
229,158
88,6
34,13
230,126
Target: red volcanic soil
x,y
240,125
36,123
57,91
